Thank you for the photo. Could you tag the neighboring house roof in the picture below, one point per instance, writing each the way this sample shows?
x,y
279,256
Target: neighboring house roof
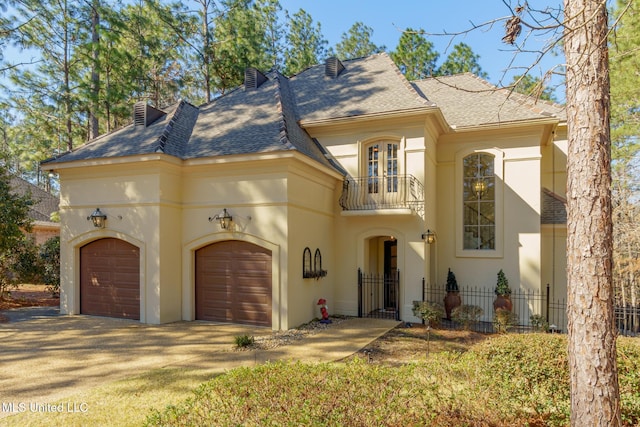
x,y
484,104
270,115
554,208
44,204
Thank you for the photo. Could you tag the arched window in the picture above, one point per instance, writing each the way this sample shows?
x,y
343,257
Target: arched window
x,y
382,167
479,202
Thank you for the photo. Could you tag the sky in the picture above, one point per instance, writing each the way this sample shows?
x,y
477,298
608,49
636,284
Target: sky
x,y
389,17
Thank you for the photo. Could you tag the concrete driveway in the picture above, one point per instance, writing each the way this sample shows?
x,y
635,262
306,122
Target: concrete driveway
x,y
48,359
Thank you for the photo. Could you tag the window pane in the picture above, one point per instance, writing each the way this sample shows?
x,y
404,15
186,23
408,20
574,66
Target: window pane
x,y
470,166
490,191
471,237
467,190
485,166
471,213
487,213
487,238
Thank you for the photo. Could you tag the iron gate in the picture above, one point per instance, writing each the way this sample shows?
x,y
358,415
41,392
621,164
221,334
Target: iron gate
x,y
379,295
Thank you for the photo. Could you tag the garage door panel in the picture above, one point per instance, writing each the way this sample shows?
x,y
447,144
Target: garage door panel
x,y
110,279
234,275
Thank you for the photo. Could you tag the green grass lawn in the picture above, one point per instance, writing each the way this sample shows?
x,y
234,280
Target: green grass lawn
x,y
505,380
508,380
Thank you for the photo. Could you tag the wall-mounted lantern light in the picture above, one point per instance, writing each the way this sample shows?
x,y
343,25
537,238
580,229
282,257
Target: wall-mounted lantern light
x,y
429,236
98,218
224,219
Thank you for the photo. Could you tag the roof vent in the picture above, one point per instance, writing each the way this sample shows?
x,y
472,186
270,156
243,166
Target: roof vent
x,y
253,78
144,114
333,67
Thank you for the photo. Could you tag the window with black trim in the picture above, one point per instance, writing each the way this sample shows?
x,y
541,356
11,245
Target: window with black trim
x,y
479,201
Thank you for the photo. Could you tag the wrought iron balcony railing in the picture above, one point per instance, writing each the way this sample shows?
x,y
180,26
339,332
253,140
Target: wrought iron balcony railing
x,y
384,192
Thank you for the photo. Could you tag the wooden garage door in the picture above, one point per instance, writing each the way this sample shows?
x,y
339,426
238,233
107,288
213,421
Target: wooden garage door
x,y
233,283
110,279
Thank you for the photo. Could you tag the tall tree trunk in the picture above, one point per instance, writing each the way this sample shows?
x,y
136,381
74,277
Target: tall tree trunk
x,y
66,90
94,129
595,398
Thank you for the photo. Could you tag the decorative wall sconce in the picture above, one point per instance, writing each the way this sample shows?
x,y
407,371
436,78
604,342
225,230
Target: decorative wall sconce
x,y
224,219
98,218
429,236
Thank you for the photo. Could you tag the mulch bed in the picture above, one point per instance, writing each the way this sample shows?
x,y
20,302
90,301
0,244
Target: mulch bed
x,y
27,295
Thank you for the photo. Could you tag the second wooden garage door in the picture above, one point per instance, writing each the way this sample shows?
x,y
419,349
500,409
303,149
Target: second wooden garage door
x,y
110,279
233,283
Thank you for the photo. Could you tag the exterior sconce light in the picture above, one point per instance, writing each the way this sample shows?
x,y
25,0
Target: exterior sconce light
x,y
479,187
429,236
224,219
98,218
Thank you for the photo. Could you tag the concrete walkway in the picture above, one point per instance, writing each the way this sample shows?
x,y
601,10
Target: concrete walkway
x,y
48,359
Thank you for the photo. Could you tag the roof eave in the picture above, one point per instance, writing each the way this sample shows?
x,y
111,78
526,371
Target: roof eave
x,y
308,124
505,125
108,161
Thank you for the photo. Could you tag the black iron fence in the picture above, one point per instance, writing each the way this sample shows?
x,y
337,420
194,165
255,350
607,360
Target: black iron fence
x,y
379,295
533,310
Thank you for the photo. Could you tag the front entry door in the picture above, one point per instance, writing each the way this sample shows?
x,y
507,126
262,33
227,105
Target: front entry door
x,y
390,274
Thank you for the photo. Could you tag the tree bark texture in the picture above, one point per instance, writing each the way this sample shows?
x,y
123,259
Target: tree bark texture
x,y
595,397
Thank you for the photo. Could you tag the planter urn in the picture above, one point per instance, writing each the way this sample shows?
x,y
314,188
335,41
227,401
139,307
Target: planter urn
x,y
451,301
502,302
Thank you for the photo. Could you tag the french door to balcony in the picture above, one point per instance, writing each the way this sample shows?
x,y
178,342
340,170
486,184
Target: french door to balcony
x,y
382,171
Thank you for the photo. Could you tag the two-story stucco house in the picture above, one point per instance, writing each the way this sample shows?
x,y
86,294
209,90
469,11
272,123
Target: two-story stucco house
x,y
251,208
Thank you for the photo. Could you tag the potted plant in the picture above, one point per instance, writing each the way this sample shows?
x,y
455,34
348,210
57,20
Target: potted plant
x,y
452,299
503,293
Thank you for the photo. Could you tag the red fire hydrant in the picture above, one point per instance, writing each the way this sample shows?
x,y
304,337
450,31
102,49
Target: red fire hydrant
x,y
323,310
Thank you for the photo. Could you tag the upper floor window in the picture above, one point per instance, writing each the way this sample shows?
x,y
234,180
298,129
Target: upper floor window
x,y
479,202
382,167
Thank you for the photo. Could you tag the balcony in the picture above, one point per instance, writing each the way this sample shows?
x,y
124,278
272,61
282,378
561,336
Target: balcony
x,y
385,194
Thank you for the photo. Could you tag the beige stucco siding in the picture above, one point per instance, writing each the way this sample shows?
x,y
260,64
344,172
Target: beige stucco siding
x,y
517,209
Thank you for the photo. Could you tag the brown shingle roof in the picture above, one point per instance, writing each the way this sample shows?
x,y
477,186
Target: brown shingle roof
x,y
268,118
369,85
467,101
554,208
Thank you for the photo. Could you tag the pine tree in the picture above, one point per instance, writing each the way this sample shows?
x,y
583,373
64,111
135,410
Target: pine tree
x,y
306,45
462,60
357,43
415,55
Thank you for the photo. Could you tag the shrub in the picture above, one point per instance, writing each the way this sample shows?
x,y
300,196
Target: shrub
x,y
527,375
431,313
503,320
467,314
50,261
538,323
243,341
505,380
